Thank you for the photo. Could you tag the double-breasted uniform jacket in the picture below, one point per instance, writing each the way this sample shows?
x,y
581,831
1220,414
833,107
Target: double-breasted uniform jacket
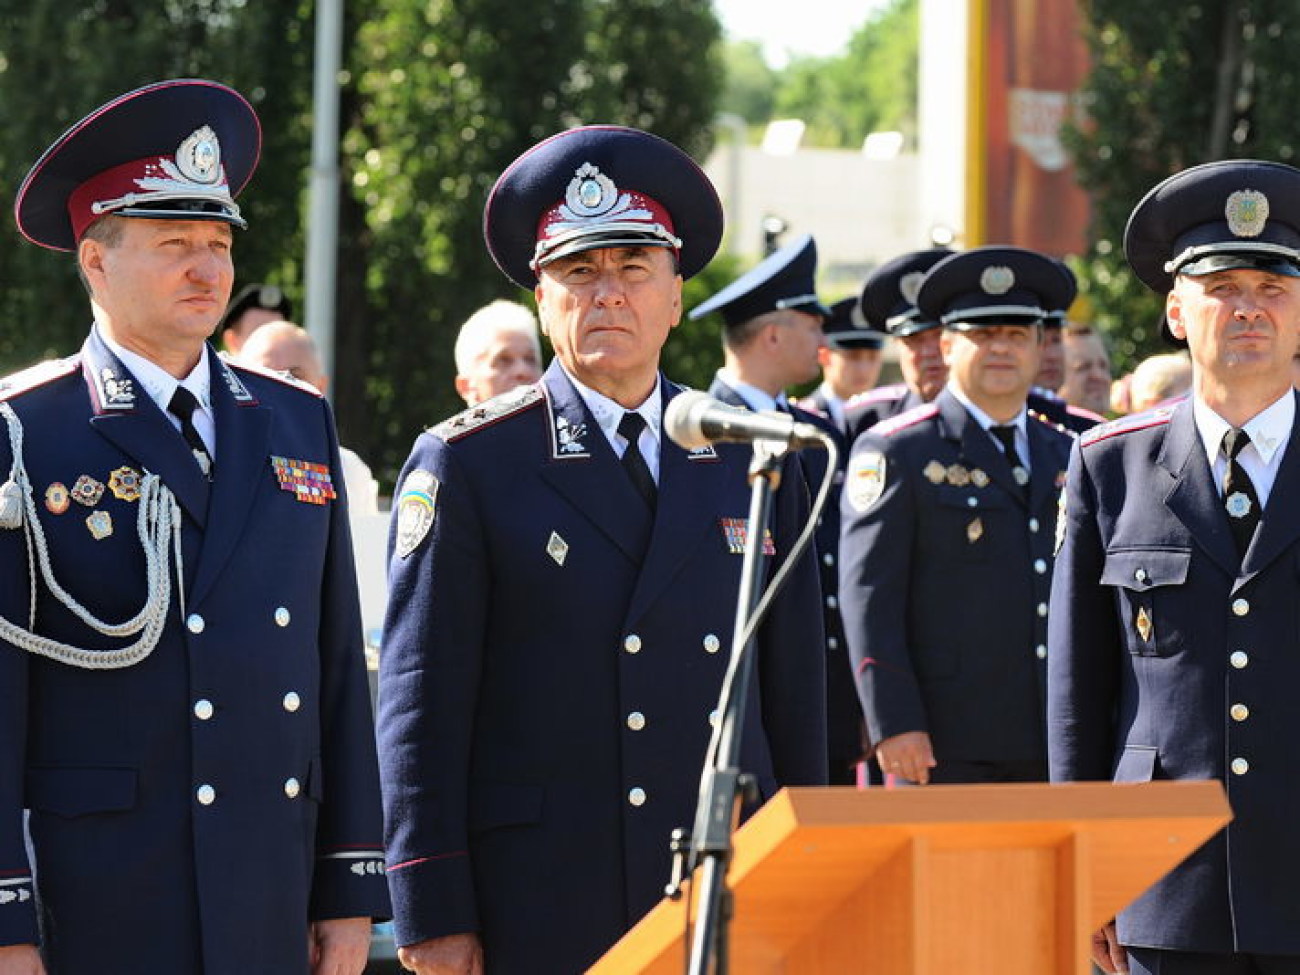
x,y
191,812
552,657
945,570
844,726
1173,659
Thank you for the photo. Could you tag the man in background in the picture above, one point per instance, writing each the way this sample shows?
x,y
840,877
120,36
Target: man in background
x,y
851,360
1087,371
946,555
252,307
287,348
888,303
497,349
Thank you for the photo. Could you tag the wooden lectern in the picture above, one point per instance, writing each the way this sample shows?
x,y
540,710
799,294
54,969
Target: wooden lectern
x,y
940,880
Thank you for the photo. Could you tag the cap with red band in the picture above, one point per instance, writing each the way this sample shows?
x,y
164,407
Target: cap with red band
x,y
600,186
178,150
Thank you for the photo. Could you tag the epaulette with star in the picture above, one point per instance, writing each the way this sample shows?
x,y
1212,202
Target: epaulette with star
x,y
909,418
1127,424
36,376
487,413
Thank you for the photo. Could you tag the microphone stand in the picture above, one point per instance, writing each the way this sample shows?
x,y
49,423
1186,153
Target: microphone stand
x,y
723,785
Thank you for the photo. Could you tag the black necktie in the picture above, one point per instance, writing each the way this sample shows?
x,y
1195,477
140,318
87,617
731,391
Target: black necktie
x,y
630,428
1239,496
1006,435
182,406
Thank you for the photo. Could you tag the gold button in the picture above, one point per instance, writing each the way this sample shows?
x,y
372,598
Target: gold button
x,y
1240,607
1033,524
1239,659
1041,652
282,616
712,644
1239,712
636,796
632,643
636,720
1042,609
1240,766
203,709
195,623
292,701
206,795
1040,566
292,788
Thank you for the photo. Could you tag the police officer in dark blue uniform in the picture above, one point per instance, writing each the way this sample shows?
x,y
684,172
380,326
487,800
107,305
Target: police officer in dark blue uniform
x,y
772,334
946,555
851,361
562,589
1174,624
184,709
888,303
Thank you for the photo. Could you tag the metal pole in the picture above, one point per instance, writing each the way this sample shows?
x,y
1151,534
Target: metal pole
x,y
323,211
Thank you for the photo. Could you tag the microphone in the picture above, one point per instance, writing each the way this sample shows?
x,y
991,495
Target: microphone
x,y
694,419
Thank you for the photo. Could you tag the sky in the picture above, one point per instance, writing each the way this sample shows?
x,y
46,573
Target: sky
x,y
814,27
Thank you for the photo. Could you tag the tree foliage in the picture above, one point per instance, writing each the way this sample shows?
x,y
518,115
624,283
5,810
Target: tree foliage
x,y
437,96
872,86
1172,86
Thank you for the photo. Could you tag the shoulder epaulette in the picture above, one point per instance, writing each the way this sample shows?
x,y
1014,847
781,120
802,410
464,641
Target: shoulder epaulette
x,y
35,376
284,377
487,413
878,395
1084,413
1127,424
908,418
1046,420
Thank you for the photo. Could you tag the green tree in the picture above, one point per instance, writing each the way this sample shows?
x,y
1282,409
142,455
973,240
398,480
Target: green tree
x,y
1171,87
871,86
750,91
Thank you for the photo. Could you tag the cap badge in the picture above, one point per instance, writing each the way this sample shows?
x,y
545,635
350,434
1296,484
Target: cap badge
x,y
997,280
592,194
199,157
1247,213
909,284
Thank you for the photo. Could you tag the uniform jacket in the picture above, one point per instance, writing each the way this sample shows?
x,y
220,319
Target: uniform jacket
x,y
844,725
257,690
1202,688
551,660
944,582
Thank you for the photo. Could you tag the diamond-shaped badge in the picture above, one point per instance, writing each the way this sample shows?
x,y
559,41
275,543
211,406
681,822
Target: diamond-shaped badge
x,y
557,548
